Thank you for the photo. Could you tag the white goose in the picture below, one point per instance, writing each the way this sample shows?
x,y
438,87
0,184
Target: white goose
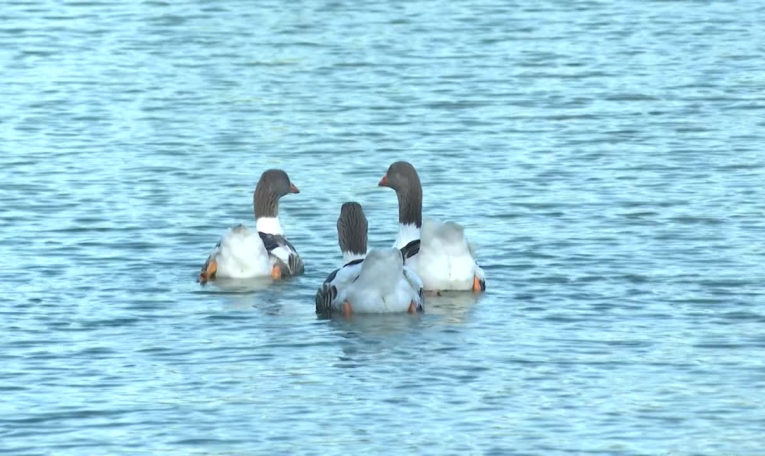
x,y
377,282
264,252
437,252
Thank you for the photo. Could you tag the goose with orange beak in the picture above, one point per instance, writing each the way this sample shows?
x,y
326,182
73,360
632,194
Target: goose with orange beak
x,y
437,252
244,253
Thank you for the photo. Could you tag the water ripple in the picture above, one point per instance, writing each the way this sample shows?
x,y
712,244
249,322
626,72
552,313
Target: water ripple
x,y
603,158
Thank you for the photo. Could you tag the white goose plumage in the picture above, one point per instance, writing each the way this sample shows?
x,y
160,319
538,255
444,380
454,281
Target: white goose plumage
x,y
438,252
374,282
244,253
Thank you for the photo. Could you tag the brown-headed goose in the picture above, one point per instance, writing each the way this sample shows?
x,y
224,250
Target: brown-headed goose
x,y
437,252
265,252
374,282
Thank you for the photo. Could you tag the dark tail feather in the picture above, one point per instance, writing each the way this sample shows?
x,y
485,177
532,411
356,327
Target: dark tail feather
x,y
411,249
293,267
296,264
324,297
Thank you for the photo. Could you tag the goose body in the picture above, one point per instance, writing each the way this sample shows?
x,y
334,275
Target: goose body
x,y
444,259
383,285
374,282
437,252
244,253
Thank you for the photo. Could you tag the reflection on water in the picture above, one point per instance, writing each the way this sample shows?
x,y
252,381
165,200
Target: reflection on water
x,y
374,323
238,286
454,307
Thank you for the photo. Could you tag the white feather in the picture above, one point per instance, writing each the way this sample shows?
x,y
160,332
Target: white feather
x,y
283,252
413,279
344,278
406,234
382,285
445,260
269,225
350,256
241,254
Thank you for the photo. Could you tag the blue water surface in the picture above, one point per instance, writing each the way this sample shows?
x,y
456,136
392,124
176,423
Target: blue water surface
x,y
606,158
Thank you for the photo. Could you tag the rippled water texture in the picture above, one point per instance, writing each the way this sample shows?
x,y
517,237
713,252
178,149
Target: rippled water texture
x,y
605,157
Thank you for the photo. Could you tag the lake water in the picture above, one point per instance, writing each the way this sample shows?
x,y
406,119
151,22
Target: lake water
x,y
606,158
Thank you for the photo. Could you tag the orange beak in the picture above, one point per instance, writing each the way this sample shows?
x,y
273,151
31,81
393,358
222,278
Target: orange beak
x,y
293,189
383,181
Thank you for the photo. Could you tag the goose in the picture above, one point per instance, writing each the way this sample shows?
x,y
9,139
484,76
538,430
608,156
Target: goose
x,y
374,282
437,252
244,253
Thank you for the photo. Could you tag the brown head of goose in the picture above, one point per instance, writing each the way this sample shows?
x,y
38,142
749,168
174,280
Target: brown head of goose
x,y
403,178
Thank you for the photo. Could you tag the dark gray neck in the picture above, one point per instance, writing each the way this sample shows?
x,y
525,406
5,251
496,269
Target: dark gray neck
x,y
352,236
355,245
266,202
410,206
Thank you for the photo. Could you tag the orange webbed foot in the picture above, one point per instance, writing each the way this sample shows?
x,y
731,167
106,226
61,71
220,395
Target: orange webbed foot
x,y
412,308
276,272
347,309
478,285
208,272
